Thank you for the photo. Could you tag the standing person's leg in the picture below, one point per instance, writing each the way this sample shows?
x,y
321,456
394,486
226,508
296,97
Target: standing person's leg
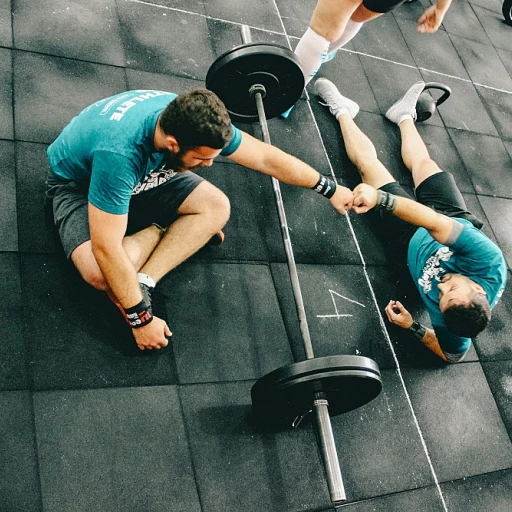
x,y
327,24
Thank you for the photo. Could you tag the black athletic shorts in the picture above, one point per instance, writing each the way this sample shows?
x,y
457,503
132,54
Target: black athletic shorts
x,y
159,205
439,192
382,5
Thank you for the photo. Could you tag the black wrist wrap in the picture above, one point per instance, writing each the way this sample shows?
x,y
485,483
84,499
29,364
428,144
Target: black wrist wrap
x,y
386,200
139,315
325,186
418,330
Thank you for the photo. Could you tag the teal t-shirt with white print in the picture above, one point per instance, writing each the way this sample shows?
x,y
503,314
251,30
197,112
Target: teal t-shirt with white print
x,y
110,145
472,255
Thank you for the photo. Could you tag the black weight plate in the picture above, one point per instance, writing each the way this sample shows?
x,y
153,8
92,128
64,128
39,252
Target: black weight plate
x,y
348,382
275,67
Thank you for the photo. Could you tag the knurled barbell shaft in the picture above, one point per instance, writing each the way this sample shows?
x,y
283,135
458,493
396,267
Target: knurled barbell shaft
x,y
292,267
328,449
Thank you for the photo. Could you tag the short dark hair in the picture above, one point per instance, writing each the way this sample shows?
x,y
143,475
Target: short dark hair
x,y
468,319
197,118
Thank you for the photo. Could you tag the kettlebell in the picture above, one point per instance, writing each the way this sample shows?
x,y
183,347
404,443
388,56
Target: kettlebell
x,y
426,105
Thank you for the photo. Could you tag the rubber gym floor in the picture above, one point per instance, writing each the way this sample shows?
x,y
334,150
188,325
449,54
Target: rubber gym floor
x,y
89,424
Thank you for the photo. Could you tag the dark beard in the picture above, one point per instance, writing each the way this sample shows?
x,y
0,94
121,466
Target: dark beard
x,y
174,161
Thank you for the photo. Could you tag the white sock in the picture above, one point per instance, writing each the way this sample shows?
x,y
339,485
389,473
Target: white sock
x,y
145,279
311,51
404,117
352,28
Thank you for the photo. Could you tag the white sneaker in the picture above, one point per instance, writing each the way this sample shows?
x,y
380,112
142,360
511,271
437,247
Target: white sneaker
x,y
336,102
405,107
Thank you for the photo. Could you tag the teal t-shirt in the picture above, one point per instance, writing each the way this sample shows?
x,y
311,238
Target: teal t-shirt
x,y
110,145
472,255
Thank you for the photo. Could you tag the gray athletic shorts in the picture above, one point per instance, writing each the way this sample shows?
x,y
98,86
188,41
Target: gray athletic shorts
x,y
439,192
68,203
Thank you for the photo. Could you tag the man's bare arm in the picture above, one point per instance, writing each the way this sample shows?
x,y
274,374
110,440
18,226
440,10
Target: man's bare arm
x,y
442,228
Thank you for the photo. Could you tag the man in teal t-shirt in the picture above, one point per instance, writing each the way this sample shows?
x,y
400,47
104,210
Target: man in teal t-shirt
x,y
127,207
458,271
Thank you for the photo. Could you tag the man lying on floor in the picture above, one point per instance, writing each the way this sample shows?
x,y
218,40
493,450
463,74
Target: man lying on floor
x,y
459,272
127,207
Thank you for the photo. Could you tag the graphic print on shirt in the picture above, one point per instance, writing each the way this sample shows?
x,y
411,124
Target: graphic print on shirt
x,y
153,179
432,269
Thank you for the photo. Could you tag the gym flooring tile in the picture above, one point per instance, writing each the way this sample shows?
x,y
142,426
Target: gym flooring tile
x,y
13,356
302,138
340,310
482,63
426,499
498,212
19,486
487,162
53,90
475,207
323,236
393,80
88,31
151,45
238,465
385,40
225,320
460,420
492,491
8,200
262,14
224,36
5,23
506,58
6,121
114,449
498,105
455,112
34,221
76,337
295,15
434,52
491,5
196,6
463,22
499,376
494,26
380,447
253,232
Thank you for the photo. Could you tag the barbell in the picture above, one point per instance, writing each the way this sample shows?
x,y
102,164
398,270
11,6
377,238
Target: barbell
x,y
258,81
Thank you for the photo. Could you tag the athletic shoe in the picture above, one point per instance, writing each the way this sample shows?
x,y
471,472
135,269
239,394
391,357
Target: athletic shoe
x,y
216,239
336,102
405,107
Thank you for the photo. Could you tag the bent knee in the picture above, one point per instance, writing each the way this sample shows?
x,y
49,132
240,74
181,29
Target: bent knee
x,y
209,201
87,266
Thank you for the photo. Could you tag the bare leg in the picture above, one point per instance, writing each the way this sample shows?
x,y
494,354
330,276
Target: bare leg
x,y
361,152
330,17
204,212
138,246
415,154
